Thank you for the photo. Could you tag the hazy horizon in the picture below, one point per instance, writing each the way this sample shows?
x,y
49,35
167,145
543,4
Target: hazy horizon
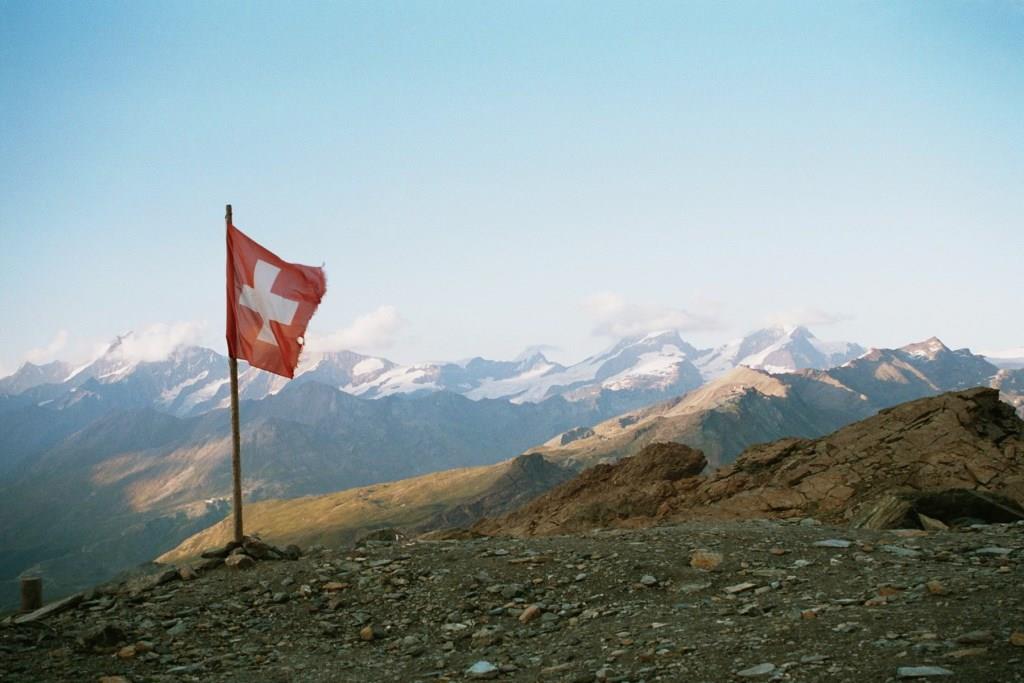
x,y
483,178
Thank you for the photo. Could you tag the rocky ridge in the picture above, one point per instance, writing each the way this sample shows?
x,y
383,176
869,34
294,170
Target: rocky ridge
x,y
966,440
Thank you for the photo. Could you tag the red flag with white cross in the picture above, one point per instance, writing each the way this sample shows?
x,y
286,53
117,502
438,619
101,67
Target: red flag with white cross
x,y
270,302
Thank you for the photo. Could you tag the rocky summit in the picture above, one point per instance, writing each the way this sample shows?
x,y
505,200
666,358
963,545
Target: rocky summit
x,y
758,600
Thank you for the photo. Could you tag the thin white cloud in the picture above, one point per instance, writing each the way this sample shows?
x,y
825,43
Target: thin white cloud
x,y
377,329
157,342
808,317
615,317
48,353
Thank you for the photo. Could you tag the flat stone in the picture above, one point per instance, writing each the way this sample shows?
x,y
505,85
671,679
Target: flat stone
x,y
759,671
921,671
834,543
48,610
482,669
994,551
648,580
739,587
975,638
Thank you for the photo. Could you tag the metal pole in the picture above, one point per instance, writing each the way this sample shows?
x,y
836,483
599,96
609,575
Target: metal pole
x,y
236,437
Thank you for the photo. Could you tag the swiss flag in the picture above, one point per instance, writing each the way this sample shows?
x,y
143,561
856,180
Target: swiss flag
x,y
270,302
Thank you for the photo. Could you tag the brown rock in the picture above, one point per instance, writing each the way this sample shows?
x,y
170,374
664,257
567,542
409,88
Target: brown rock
x,y
1017,638
529,614
705,559
186,573
239,561
936,587
931,524
113,679
126,652
334,586
367,633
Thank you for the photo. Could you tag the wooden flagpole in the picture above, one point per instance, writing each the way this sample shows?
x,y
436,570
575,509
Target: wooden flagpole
x,y
236,437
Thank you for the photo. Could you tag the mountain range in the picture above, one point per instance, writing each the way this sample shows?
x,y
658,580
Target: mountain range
x,y
138,453
193,380
723,418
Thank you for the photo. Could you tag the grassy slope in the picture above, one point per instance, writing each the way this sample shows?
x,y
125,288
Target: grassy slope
x,y
340,517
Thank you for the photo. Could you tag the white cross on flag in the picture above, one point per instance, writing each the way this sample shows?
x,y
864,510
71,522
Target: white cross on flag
x,y
270,302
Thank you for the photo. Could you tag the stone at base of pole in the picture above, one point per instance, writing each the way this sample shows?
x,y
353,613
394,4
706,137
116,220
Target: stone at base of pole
x,y
31,593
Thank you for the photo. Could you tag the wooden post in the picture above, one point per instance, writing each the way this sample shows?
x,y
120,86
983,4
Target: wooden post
x,y
31,593
236,437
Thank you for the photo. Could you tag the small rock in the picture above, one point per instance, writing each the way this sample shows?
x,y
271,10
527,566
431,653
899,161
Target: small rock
x,y
529,614
103,635
179,629
367,633
240,561
975,638
936,587
705,559
921,671
126,652
759,671
966,652
186,573
113,679
1017,638
931,524
482,669
739,587
648,581
166,576
334,586
834,543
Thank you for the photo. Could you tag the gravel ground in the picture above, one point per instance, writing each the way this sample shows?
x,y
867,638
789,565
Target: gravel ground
x,y
788,601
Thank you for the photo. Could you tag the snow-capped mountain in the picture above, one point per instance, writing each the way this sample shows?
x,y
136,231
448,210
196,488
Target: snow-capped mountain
x,y
633,372
31,375
653,363
777,349
188,377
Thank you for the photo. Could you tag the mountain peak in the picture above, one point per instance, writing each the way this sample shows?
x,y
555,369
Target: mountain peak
x,y
929,348
531,355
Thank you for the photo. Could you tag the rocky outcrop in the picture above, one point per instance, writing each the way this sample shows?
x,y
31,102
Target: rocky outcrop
x,y
967,440
622,494
963,440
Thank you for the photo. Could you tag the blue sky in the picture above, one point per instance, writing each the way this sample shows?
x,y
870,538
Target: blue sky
x,y
479,177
